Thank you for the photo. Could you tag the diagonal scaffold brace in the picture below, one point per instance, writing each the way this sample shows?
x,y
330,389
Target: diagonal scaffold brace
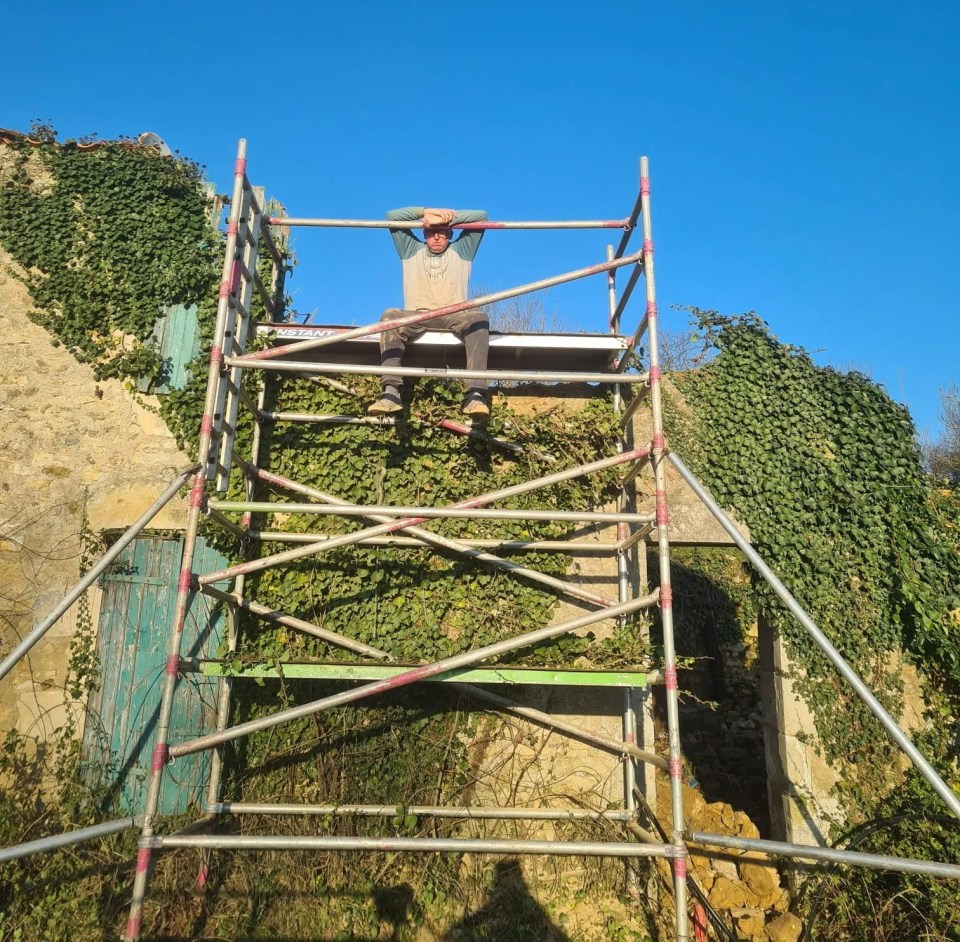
x,y
434,539
346,539
616,747
413,675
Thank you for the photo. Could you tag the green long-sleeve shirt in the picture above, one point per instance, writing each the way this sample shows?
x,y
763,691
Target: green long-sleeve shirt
x,y
431,281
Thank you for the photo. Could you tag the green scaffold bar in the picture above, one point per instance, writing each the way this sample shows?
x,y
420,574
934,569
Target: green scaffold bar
x,y
476,675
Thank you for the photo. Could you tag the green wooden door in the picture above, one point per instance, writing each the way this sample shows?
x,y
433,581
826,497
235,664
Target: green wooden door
x,y
139,600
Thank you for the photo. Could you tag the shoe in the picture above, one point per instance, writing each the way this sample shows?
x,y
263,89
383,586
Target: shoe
x,y
475,405
386,405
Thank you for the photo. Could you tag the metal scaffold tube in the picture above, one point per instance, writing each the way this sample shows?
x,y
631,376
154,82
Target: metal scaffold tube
x,y
460,226
616,747
232,528
253,361
230,284
639,397
503,546
224,692
67,839
271,614
426,513
663,552
451,845
628,717
630,226
233,600
636,537
832,855
625,298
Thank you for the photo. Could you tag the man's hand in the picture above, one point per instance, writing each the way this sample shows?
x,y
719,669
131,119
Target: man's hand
x,y
437,218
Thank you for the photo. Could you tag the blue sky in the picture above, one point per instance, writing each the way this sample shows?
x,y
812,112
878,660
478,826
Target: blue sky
x,y
804,155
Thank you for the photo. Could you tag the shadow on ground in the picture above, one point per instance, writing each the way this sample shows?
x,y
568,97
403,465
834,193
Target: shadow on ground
x,y
509,914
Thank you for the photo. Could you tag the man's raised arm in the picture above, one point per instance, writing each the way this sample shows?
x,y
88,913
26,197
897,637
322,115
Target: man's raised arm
x,y
466,246
405,241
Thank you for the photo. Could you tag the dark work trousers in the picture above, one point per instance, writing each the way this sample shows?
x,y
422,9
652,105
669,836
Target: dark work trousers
x,y
471,327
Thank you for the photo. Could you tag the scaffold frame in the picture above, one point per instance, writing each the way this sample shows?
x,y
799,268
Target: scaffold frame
x,y
247,229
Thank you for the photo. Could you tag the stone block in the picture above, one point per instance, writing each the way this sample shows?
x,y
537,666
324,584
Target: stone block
x,y
762,880
118,507
729,894
693,803
750,923
744,826
784,928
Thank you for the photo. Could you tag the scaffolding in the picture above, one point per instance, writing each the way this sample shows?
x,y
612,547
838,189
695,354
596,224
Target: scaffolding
x,y
330,352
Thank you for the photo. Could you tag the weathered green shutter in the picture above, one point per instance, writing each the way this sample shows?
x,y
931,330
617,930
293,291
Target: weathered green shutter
x,y
176,332
140,592
177,335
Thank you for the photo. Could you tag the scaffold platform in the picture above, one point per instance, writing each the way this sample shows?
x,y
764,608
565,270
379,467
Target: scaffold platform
x,y
576,352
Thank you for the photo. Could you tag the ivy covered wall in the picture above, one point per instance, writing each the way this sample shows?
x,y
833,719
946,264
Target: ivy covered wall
x,y
826,471
108,233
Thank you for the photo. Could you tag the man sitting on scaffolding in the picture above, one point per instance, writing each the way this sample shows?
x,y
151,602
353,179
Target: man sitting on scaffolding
x,y
436,272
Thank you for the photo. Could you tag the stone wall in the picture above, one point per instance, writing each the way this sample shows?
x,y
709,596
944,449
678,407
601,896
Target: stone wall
x,y
803,808
73,449
523,763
